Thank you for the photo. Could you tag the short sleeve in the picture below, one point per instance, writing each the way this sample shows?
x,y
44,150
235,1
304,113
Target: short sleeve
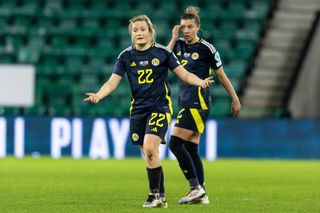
x,y
173,61
216,63
214,58
120,67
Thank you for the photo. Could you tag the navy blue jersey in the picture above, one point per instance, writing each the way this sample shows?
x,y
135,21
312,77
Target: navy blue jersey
x,y
198,58
147,72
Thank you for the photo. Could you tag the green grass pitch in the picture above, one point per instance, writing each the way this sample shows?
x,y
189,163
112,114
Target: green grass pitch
x,y
67,185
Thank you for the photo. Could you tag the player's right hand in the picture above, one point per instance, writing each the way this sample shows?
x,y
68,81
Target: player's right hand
x,y
93,98
175,32
206,83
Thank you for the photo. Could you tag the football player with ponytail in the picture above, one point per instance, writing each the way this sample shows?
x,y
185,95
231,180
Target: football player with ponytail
x,y
200,58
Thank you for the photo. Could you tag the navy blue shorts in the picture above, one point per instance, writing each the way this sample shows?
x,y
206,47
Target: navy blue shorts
x,y
192,119
155,123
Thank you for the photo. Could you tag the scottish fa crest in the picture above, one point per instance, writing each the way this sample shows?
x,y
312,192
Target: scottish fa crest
x,y
195,56
155,62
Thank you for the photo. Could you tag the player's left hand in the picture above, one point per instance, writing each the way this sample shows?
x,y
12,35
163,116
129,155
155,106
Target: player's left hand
x,y
235,107
206,83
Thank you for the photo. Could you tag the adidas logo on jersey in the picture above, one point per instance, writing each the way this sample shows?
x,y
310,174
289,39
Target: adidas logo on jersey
x,y
154,129
133,64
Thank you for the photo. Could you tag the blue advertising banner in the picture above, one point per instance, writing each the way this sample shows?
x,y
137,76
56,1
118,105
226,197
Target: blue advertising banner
x,y
110,138
82,137
269,138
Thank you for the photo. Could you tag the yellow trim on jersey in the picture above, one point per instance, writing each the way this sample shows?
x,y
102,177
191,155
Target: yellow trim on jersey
x,y
168,118
197,119
202,102
210,71
131,104
169,98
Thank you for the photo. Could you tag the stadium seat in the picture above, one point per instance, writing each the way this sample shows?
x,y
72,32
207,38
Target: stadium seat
x,y
68,23
236,69
73,64
51,6
164,10
14,42
103,4
96,64
10,111
59,41
35,110
48,64
221,108
224,32
74,4
59,110
106,70
21,24
7,58
28,56
218,91
234,12
7,8
80,110
89,24
27,8
3,22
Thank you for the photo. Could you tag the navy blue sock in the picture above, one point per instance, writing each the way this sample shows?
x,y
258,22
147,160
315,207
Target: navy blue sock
x,y
161,190
185,162
154,176
192,149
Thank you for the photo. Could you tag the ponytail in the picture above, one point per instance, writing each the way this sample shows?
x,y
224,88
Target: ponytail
x,y
192,13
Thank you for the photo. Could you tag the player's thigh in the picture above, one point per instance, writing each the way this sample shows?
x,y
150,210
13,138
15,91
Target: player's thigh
x,y
182,133
186,134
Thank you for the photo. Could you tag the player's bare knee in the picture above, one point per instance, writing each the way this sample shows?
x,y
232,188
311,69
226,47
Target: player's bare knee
x,y
149,156
149,153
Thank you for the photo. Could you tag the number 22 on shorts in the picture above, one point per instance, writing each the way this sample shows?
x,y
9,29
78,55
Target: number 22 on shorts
x,y
156,118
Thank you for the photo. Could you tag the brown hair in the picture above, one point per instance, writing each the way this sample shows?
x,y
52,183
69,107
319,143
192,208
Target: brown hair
x,y
149,23
192,13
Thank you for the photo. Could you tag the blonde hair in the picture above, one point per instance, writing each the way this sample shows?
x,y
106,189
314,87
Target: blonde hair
x,y
149,23
192,13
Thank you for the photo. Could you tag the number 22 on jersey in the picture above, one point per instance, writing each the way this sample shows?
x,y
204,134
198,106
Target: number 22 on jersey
x,y
145,76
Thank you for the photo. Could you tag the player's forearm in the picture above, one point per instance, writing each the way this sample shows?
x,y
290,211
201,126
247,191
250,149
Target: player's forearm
x,y
106,89
228,86
192,79
187,77
171,44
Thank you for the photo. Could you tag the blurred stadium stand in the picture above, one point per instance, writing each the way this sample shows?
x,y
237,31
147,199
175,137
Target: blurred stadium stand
x,y
74,44
276,67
